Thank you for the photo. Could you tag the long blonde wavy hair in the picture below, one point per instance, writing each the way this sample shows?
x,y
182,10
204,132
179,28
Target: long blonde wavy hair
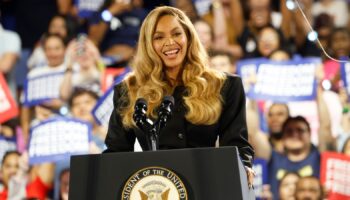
x,y
203,85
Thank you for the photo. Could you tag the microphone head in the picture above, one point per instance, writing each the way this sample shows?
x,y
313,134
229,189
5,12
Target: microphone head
x,y
141,105
165,111
141,101
140,116
140,110
166,107
169,99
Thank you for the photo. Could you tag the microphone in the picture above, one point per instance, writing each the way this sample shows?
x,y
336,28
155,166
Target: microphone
x,y
140,117
165,111
151,129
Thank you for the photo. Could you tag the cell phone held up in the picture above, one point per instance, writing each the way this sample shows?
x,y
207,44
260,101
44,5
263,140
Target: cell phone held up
x,y
81,49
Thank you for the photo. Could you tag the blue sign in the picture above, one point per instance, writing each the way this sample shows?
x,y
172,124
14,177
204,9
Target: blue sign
x,y
42,88
345,75
260,168
57,139
104,106
88,7
279,81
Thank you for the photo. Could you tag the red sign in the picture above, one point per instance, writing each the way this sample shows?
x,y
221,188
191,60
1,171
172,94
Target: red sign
x,y
108,77
8,106
335,175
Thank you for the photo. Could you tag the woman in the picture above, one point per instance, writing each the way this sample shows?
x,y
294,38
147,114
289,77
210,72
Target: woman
x,y
54,48
22,181
269,40
60,25
339,48
205,34
287,186
83,67
171,61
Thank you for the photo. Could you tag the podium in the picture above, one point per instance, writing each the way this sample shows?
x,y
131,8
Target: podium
x,y
193,174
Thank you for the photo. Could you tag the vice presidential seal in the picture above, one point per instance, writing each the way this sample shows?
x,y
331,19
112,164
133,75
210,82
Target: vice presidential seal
x,y
154,183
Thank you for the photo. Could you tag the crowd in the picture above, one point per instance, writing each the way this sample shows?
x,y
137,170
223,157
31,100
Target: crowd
x,y
39,37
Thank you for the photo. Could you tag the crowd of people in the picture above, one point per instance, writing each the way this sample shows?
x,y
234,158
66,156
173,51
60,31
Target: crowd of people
x,y
39,37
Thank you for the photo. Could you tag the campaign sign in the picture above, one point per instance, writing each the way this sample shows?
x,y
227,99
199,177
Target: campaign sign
x,y
281,81
87,7
42,88
345,75
260,168
6,144
57,139
8,106
247,70
335,175
104,106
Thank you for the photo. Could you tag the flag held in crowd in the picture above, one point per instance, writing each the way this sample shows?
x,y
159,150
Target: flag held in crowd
x,y
58,138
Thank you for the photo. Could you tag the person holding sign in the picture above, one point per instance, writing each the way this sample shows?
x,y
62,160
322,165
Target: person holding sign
x,y
17,182
171,60
54,48
81,104
61,25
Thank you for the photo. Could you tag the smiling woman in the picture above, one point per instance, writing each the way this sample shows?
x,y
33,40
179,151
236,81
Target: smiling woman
x,y
170,43
170,60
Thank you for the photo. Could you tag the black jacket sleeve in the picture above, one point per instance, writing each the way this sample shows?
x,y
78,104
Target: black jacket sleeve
x,y
118,138
233,127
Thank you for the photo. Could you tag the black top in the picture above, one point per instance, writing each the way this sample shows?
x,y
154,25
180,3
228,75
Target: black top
x,y
179,133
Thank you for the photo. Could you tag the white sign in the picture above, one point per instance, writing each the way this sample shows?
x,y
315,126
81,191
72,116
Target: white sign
x,y
58,138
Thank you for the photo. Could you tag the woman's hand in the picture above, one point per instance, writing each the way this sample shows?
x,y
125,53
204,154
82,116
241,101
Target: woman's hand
x,y
250,176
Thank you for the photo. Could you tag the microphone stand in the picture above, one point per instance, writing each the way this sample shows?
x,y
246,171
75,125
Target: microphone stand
x,y
164,115
151,129
154,136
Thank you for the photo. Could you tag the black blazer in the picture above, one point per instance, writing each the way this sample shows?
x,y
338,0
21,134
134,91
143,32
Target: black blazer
x,y
179,133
